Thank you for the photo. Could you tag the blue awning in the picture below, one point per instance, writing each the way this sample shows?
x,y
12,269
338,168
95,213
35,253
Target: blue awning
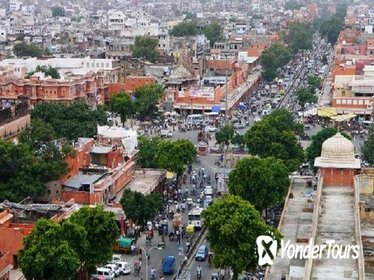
x,y
216,108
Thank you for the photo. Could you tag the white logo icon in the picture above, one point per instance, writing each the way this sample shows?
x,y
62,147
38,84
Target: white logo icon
x,y
266,249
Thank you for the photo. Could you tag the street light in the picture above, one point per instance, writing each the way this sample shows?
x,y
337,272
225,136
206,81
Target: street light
x,y
147,254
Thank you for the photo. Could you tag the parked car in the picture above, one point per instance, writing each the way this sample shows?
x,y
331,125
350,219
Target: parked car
x,y
208,199
189,202
208,190
212,129
168,265
103,272
202,253
117,258
125,267
114,268
166,133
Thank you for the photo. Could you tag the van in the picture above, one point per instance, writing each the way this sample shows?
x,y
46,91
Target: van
x,y
103,272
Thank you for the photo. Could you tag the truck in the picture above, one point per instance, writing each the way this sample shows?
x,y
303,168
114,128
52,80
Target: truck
x,y
123,245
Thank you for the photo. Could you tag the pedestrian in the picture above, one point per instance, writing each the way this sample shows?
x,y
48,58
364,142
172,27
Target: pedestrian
x,y
133,248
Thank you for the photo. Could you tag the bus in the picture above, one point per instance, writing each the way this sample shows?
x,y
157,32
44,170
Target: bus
x,y
195,119
211,116
194,217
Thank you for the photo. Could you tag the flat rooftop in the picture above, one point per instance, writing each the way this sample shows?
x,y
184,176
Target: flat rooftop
x,y
296,227
144,181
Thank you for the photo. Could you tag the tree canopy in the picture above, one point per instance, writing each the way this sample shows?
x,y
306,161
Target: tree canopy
x,y
45,255
48,71
233,227
121,104
331,27
272,58
147,151
314,81
225,134
306,95
141,208
24,49
263,182
55,251
368,148
146,100
300,36
213,32
271,137
184,29
70,121
292,5
145,47
175,155
58,11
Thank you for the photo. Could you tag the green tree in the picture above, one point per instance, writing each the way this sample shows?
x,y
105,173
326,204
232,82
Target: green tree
x,y
38,131
147,151
213,32
146,100
24,49
300,36
233,227
141,208
238,139
314,81
268,139
101,232
145,47
24,171
70,121
292,5
263,182
58,11
45,255
306,95
330,28
184,29
122,104
225,134
175,155
272,58
368,148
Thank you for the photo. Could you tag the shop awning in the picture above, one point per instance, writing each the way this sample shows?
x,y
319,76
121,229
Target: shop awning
x,y
342,118
327,112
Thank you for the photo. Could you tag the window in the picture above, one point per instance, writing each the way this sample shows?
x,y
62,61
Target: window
x,y
367,102
344,101
355,102
360,102
349,101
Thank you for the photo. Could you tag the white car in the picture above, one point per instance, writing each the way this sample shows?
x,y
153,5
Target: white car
x,y
212,129
124,267
166,133
208,199
114,268
117,258
208,191
103,273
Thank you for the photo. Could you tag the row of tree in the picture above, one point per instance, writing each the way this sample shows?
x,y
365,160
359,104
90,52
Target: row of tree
x,y
58,250
308,94
213,31
23,49
143,105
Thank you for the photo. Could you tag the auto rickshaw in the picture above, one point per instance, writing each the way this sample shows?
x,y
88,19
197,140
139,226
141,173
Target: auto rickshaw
x,y
190,230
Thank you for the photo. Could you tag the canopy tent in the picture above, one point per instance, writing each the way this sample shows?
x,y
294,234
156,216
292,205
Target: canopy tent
x,y
327,112
342,118
311,112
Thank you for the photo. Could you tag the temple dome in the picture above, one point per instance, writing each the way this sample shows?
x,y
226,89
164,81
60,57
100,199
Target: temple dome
x,y
337,149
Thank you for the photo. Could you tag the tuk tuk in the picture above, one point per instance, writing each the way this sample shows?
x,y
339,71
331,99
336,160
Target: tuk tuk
x,y
123,245
190,230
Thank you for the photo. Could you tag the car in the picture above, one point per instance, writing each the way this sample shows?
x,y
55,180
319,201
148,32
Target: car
x,y
208,199
212,129
117,258
189,202
168,265
208,190
239,125
214,149
125,267
166,133
114,268
103,273
202,253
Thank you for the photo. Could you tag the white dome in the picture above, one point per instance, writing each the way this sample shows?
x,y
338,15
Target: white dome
x,y
337,149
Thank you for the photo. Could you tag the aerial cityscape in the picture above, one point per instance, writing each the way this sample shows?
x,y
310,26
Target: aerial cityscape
x,y
200,139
